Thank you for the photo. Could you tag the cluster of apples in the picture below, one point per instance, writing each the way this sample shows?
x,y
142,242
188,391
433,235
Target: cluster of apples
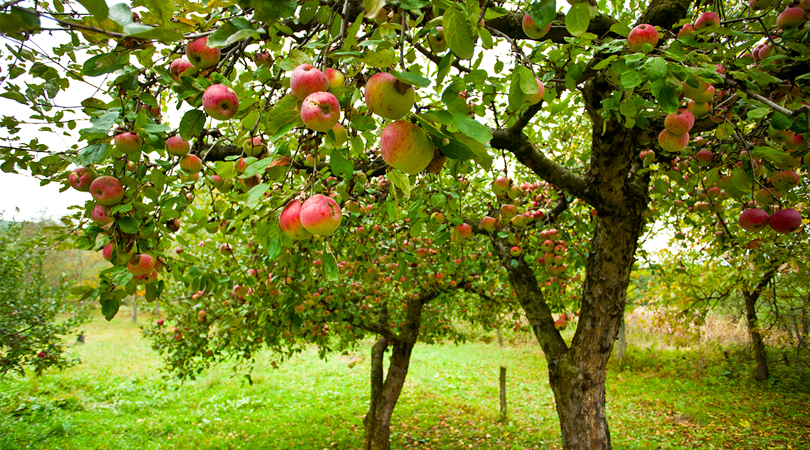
x,y
318,215
320,110
506,190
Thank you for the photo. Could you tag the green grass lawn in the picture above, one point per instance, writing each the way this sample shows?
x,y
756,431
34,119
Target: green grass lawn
x,y
118,399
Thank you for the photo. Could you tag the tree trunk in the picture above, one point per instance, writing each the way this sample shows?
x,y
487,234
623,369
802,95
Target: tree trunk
x,y
621,342
384,395
134,310
157,309
761,369
502,385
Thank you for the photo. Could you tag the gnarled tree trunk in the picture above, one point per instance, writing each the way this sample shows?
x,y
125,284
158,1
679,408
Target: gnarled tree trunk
x,y
751,297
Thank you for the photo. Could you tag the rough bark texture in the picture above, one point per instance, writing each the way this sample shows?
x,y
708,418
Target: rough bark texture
x,y
621,341
751,297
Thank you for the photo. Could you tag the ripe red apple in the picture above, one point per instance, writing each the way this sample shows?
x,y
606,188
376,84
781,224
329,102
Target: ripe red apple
x,y
306,79
463,232
220,102
160,322
785,180
290,221
680,122
320,215
153,111
147,278
141,264
707,20
335,77
560,324
515,251
181,66
500,186
489,223
436,40
127,142
671,142
753,219
320,111
531,29
388,97
704,158
200,55
406,147
640,35
795,143
107,190
81,178
101,215
759,5
790,18
107,251
785,221
535,98
176,146
191,163
686,30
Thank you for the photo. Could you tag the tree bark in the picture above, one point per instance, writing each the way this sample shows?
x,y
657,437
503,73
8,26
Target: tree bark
x,y
751,297
134,310
621,342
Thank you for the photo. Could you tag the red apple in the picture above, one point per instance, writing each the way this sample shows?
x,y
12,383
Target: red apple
x,y
500,186
127,142
508,211
220,102
81,178
306,79
640,35
335,77
707,20
388,97
176,146
320,111
290,221
463,232
698,109
200,55
263,59
686,30
406,147
107,190
797,142
671,142
753,219
191,163
320,215
489,223
680,122
107,251
535,98
704,158
141,264
180,66
226,249
531,29
101,215
785,221
515,251
436,40
148,278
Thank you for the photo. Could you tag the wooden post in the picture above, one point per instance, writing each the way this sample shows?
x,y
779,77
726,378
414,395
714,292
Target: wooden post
x,y
502,382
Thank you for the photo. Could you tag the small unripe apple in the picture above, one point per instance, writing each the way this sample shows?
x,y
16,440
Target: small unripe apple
x,y
707,20
500,186
640,35
200,55
263,59
220,102
107,190
81,178
436,40
515,251
535,98
191,163
320,215
341,135
438,217
698,109
785,180
508,211
335,77
320,111
181,66
127,142
306,79
254,146
290,221
531,29
141,264
226,249
785,221
406,147
388,97
671,142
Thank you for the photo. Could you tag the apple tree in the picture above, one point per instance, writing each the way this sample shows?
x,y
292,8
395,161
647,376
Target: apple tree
x,y
219,118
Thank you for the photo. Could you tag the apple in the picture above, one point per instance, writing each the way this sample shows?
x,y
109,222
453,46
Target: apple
x,y
759,5
141,264
127,142
692,92
107,190
704,158
707,20
160,322
148,278
388,97
335,77
679,122
436,40
81,178
535,98
200,55
320,215
406,147
226,249
254,146
785,180
290,221
191,163
306,79
438,217
180,66
489,223
790,18
341,135
220,102
785,221
531,29
767,197
463,232
500,186
107,251
640,35
560,324
263,59
101,215
686,30
515,251
806,161
753,219
508,211
671,142
797,142
320,111
699,109
176,146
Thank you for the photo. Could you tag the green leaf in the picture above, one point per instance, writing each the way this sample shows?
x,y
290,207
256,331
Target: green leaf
x,y
104,64
372,7
458,33
400,180
92,154
413,4
330,268
232,31
121,14
255,194
413,79
655,68
109,307
578,19
192,124
631,79
283,113
473,128
18,20
528,82
516,95
386,57
340,165
666,94
543,12
758,113
98,8
129,225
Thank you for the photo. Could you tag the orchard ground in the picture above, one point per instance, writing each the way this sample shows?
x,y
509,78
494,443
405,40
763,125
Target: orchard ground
x,y
118,399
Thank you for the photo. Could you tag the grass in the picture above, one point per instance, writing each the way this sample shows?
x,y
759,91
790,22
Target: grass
x,y
118,399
